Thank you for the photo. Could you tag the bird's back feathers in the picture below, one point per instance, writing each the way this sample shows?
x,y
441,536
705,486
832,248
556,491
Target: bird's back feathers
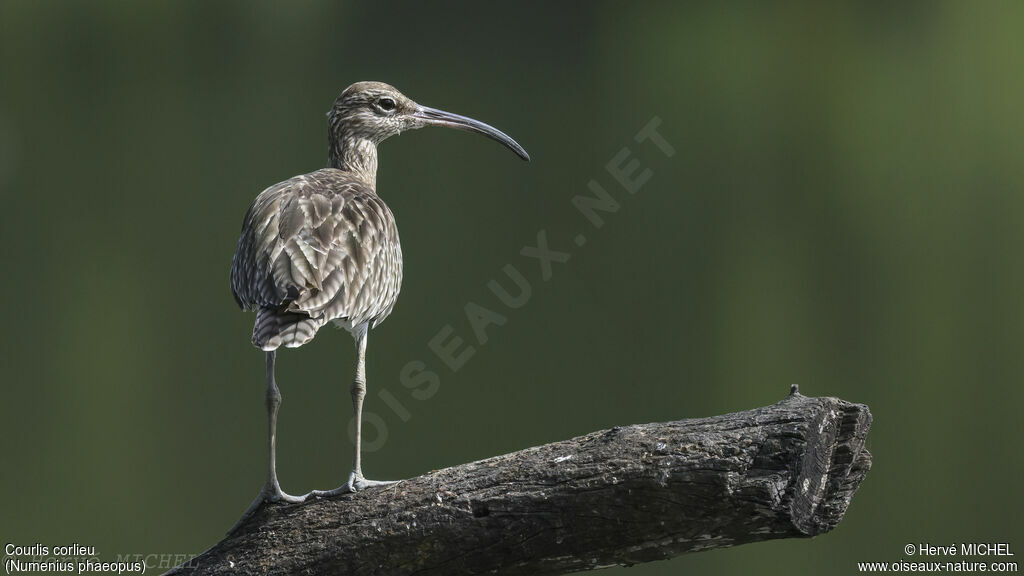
x,y
316,248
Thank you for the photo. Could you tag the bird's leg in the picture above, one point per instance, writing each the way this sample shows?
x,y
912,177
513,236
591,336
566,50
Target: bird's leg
x,y
271,489
356,481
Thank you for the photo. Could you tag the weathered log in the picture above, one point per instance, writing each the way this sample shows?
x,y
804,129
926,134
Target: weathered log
x,y
616,497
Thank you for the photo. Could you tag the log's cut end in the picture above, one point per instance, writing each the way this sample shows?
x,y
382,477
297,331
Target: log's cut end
x,y
834,463
622,496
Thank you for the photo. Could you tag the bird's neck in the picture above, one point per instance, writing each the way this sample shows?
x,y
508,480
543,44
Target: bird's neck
x,y
356,155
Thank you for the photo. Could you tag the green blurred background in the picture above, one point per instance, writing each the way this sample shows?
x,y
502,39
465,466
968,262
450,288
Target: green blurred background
x,y
843,211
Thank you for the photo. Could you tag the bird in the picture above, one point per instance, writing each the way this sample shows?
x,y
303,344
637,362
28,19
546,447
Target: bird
x,y
323,248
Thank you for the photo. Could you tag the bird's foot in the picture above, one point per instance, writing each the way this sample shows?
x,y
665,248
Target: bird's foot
x,y
271,492
355,483
361,483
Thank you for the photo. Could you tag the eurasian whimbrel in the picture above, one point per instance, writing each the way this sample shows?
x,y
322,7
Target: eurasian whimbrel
x,y
323,247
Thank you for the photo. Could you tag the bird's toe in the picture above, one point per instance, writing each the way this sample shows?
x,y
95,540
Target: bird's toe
x,y
359,483
343,489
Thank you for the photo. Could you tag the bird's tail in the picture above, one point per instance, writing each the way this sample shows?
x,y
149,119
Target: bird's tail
x,y
275,328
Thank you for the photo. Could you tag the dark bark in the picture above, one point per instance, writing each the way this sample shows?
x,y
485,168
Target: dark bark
x,y
621,496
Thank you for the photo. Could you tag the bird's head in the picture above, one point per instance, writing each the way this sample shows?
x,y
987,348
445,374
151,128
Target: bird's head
x,y
375,111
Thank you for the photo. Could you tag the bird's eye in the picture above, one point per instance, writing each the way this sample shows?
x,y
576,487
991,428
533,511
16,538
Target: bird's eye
x,y
386,104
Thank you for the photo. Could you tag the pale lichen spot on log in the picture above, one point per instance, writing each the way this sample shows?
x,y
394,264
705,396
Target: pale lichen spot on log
x,y
709,542
824,421
565,458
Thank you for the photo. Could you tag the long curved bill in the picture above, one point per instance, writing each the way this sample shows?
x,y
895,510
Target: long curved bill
x,y
435,117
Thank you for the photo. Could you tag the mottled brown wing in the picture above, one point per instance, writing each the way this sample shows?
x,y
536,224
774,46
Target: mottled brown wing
x,y
316,248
